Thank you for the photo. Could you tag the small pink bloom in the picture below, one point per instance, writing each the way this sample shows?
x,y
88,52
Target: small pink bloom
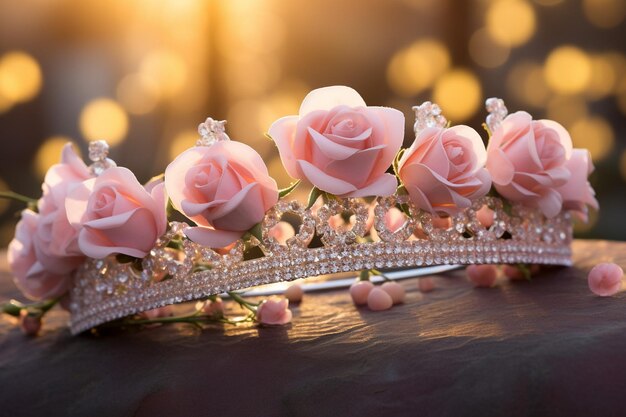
x,y
214,308
359,291
156,313
577,193
605,279
294,293
395,290
485,216
115,214
56,241
224,188
339,144
282,232
514,273
443,170
30,276
378,300
426,284
527,161
274,310
482,275
29,324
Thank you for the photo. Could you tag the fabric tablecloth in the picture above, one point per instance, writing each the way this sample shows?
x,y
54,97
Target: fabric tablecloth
x,y
548,347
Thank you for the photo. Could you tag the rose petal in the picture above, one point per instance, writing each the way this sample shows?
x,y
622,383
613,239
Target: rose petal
x,y
211,237
383,186
327,98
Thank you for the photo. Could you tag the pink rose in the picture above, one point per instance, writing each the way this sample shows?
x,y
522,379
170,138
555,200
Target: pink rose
x,y
274,310
225,188
30,276
56,241
115,214
340,145
527,161
443,169
577,193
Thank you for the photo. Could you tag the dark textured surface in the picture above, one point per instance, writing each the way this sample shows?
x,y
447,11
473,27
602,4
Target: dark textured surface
x,y
547,348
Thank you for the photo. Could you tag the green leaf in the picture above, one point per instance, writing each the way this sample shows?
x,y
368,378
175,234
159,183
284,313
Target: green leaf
x,y
313,196
364,275
486,142
286,191
396,160
401,190
525,270
11,308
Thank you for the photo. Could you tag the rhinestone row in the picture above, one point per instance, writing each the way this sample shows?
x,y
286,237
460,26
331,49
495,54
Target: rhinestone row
x,y
306,263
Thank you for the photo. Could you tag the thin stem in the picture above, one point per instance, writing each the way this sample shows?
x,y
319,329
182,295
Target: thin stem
x,y
379,273
246,304
11,195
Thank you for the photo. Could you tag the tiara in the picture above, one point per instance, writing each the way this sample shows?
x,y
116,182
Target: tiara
x,y
107,242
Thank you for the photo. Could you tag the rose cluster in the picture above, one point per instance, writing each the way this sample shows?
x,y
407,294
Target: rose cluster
x,y
345,148
339,144
224,188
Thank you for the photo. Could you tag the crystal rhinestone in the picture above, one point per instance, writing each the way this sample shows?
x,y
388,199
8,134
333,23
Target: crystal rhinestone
x,y
98,150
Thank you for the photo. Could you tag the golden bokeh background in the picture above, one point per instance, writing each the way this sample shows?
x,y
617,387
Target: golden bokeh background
x,y
143,73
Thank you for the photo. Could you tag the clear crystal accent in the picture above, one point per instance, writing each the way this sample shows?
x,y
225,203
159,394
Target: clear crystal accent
x,y
211,131
105,289
497,112
98,154
428,114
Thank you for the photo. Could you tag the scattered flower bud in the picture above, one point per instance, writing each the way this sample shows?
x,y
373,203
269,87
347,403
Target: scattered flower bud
x,y
483,276
359,291
395,290
294,293
274,311
156,313
426,284
29,323
513,272
485,216
605,279
213,307
378,300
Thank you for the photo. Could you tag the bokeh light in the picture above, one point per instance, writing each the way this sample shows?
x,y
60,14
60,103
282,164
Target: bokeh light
x,y
137,93
485,51
605,13
166,71
278,172
5,104
548,3
595,134
49,153
602,80
103,119
416,67
181,142
511,22
568,69
621,96
20,77
459,94
567,110
527,84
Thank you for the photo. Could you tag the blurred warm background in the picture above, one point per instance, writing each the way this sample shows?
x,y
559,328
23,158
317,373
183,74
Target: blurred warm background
x,y
143,73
